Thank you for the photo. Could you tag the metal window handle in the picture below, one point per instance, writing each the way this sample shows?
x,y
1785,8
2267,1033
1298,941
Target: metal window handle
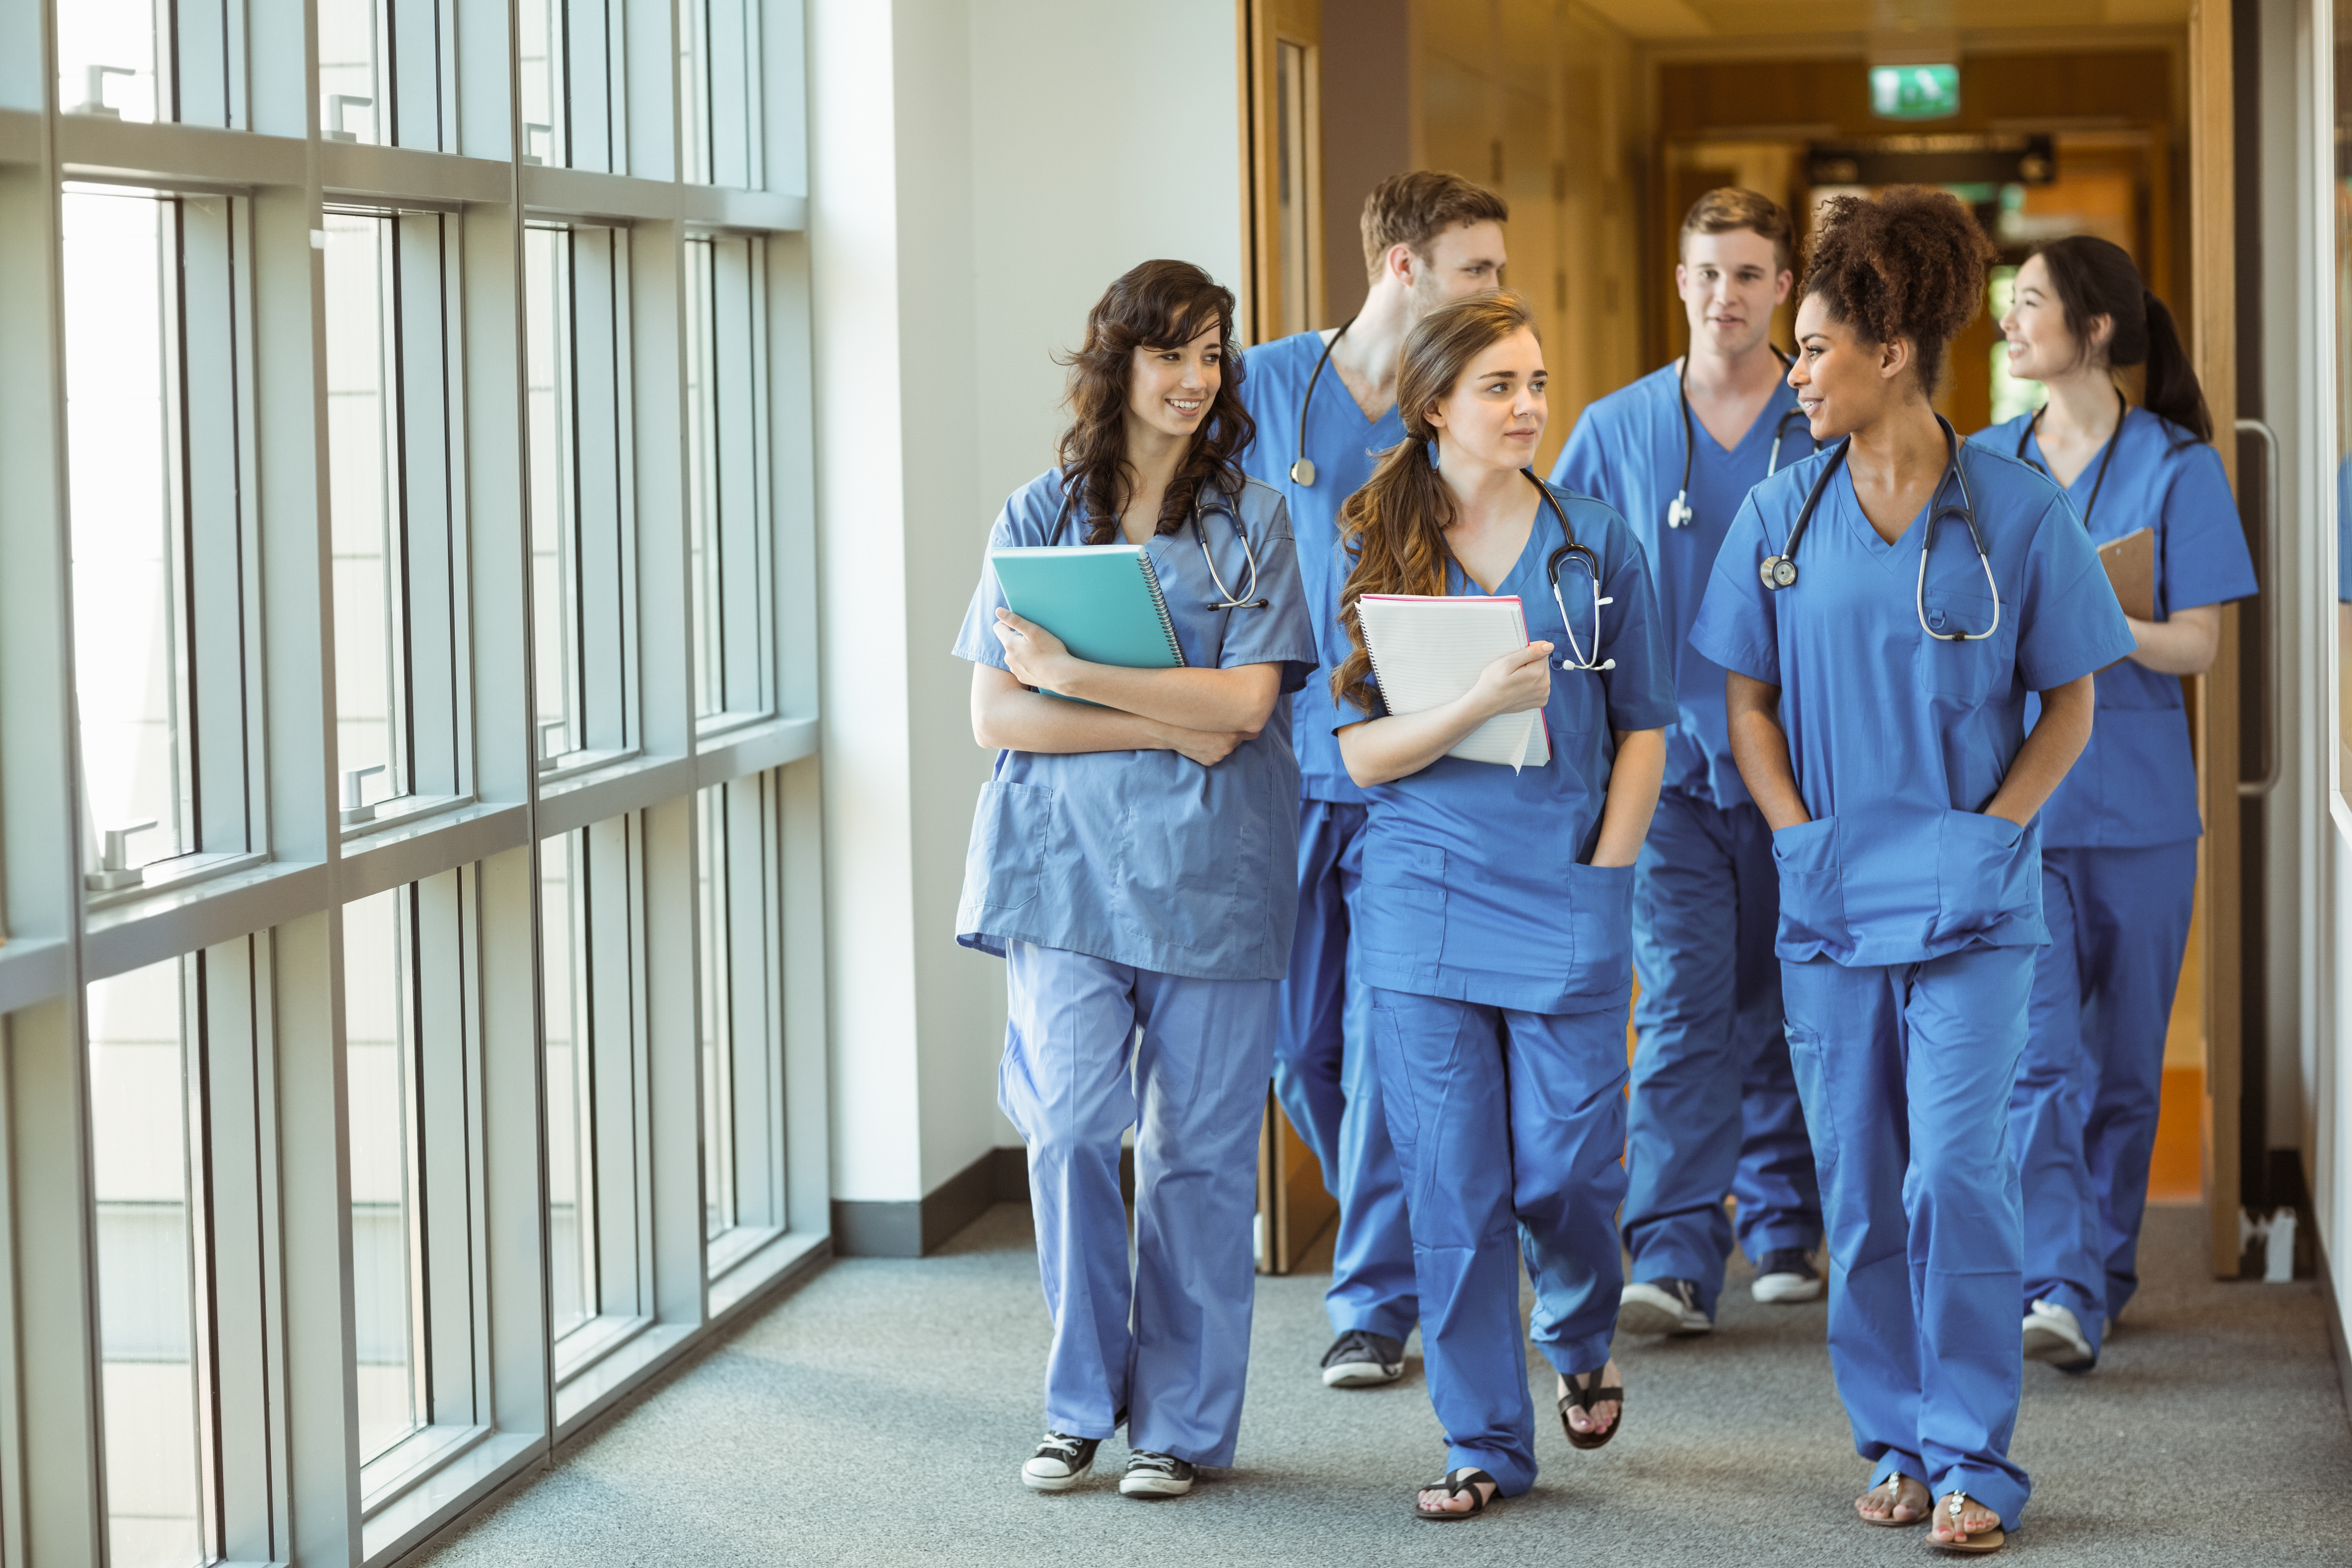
x,y
2266,613
546,757
93,93
528,126
354,791
336,103
114,871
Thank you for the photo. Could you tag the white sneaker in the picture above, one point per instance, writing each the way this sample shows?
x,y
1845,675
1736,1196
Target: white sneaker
x,y
1662,1306
1060,1462
2053,1335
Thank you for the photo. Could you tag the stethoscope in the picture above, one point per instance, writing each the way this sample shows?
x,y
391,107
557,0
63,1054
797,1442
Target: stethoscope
x,y
1248,599
2123,412
1780,570
1679,512
1582,555
1302,472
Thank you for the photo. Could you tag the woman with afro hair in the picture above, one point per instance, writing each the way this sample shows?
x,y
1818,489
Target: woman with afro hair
x,y
1884,610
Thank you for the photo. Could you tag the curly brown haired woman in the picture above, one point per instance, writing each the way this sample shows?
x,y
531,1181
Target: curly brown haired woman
x,y
1883,609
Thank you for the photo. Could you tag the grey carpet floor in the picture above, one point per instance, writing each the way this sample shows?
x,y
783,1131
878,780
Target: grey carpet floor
x,y
879,1415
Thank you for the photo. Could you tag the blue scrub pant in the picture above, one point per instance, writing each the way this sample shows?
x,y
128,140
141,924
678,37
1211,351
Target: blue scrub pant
x,y
1906,1071
1323,1075
1508,1126
1715,1104
1170,1356
2083,1120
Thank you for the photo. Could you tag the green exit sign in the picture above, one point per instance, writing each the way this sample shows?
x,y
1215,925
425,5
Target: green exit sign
x,y
1915,92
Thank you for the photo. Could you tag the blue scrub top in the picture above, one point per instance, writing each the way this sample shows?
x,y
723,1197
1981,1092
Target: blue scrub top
x,y
1474,881
1899,739
2136,783
1627,450
1344,447
1147,858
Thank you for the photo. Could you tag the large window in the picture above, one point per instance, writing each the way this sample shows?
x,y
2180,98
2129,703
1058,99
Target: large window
x,y
401,809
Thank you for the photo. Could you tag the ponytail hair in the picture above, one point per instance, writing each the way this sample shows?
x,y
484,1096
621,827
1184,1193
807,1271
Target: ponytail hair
x,y
2095,277
1394,527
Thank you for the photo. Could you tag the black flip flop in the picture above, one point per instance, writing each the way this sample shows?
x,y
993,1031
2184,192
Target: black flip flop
x,y
1584,1394
1462,1480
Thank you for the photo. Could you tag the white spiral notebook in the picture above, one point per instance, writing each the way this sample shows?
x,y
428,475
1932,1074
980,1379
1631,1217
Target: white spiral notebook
x,y
1428,649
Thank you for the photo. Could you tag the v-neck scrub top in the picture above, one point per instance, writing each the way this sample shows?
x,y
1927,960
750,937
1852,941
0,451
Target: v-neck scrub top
x,y
1899,739
2136,785
1476,882
1627,450
1146,858
1345,448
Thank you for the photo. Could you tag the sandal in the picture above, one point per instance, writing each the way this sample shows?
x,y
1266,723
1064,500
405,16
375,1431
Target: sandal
x,y
1584,1394
1896,1497
1465,1479
1987,1540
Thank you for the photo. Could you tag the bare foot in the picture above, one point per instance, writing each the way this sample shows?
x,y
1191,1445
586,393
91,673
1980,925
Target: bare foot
x,y
1435,1499
1898,1499
1975,1520
1602,1416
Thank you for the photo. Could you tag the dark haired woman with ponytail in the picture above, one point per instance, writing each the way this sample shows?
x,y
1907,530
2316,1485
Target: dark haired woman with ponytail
x,y
1130,860
1496,922
2120,837
1883,610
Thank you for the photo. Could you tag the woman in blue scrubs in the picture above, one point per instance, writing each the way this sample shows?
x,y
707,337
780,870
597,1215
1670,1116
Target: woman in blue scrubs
x,y
1496,921
1132,861
1883,609
2119,835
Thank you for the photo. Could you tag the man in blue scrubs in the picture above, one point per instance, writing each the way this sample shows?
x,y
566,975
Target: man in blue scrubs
x,y
1714,1108
1325,402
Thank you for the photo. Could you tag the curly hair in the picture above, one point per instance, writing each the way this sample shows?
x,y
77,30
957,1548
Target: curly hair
x,y
1152,305
1907,264
1394,527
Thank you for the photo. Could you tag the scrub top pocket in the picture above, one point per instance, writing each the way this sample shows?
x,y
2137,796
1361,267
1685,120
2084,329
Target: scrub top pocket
x,y
1986,870
1167,893
1812,890
1600,924
1010,830
1972,671
1404,896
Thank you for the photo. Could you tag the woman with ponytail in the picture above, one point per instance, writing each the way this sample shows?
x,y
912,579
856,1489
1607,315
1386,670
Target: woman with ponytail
x,y
2120,837
1497,925
1883,610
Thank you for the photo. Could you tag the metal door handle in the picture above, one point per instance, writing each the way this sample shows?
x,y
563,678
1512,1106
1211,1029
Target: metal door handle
x,y
336,103
355,792
2266,614
93,93
114,870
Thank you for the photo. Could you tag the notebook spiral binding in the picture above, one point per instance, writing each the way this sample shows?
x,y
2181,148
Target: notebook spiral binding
x,y
1160,603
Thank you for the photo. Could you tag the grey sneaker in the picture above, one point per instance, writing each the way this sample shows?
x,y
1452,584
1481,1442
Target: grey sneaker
x,y
1060,1462
1150,1475
1362,1359
1662,1306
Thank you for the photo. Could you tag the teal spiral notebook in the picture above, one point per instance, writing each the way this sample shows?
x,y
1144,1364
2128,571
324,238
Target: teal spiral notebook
x,y
1102,600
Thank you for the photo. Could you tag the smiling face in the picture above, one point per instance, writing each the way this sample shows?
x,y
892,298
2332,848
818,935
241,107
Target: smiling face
x,y
1466,260
1843,382
1170,390
2040,347
1494,414
1729,284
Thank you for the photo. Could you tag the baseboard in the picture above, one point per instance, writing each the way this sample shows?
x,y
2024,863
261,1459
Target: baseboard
x,y
2335,1311
912,1228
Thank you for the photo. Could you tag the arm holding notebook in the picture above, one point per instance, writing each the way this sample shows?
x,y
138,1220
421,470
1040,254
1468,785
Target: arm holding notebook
x,y
1239,698
1399,744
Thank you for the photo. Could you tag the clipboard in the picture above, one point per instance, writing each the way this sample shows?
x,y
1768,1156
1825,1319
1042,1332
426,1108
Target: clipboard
x,y
2131,572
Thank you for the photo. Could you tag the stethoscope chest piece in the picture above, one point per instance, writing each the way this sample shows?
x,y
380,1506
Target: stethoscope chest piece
x,y
1777,571
1302,472
1679,512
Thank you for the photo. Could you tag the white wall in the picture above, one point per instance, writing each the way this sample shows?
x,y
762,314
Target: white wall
x,y
980,170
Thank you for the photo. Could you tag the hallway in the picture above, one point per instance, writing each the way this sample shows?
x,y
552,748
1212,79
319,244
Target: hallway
x,y
879,1415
